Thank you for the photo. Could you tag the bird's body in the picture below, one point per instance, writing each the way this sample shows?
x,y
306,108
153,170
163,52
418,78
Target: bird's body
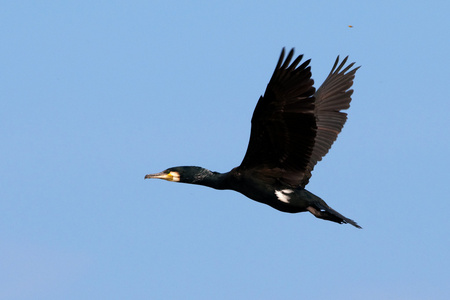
x,y
293,127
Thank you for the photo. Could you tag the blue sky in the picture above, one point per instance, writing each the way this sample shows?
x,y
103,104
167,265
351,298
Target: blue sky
x,y
94,95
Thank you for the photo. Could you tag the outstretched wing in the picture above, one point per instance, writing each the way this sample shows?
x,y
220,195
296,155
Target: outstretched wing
x,y
283,124
333,96
292,126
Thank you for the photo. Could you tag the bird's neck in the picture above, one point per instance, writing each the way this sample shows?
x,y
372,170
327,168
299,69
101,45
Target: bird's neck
x,y
211,179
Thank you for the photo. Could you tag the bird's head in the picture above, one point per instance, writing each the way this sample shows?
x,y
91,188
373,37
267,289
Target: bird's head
x,y
182,174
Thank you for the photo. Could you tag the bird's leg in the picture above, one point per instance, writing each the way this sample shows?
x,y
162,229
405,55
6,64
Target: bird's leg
x,y
324,215
331,215
315,212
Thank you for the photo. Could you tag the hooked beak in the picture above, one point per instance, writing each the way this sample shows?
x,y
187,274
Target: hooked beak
x,y
171,176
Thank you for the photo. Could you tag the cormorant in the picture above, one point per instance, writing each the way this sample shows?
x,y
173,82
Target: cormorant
x,y
293,127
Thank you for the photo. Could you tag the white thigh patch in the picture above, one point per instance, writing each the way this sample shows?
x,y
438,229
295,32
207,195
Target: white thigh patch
x,y
283,195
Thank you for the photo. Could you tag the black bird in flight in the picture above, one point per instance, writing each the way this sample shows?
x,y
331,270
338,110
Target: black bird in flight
x,y
293,127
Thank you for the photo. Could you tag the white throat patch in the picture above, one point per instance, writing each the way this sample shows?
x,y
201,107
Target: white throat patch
x,y
283,195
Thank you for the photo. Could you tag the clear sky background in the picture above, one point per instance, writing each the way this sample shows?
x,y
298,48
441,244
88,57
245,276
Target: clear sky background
x,y
96,94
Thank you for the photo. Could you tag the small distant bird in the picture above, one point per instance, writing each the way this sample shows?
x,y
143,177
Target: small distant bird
x,y
350,26
293,127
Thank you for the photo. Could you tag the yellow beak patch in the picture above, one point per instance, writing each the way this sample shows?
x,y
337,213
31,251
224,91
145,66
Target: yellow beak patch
x,y
171,176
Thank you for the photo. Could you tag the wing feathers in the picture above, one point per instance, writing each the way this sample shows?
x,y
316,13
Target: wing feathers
x,y
293,126
283,123
333,96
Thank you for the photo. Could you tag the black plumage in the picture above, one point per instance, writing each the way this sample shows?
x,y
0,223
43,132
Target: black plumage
x,y
293,127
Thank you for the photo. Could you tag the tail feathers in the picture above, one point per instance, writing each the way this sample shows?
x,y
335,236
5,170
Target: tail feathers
x,y
327,213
